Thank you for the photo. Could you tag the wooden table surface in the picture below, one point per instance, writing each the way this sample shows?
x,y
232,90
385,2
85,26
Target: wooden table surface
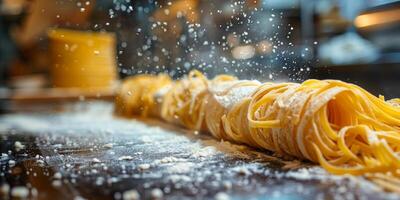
x,y
85,152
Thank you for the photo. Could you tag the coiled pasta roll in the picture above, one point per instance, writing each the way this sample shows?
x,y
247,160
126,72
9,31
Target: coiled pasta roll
x,y
227,109
136,95
183,104
338,125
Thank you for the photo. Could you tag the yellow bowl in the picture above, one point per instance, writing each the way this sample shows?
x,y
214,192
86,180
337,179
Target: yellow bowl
x,y
82,59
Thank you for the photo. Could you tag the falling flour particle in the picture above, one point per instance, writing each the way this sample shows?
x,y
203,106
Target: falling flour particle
x,y
221,196
57,175
19,146
157,194
11,163
4,155
112,180
125,158
100,180
117,195
34,192
130,195
56,183
20,192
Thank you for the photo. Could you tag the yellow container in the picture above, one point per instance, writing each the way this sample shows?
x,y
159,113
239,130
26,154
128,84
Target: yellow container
x,y
82,59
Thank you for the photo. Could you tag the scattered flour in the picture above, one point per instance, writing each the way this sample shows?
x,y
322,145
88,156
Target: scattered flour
x,y
175,178
108,145
204,152
145,166
169,159
183,167
234,95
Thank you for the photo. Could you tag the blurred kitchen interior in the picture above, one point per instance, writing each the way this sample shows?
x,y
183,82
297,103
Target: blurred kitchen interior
x,y
279,40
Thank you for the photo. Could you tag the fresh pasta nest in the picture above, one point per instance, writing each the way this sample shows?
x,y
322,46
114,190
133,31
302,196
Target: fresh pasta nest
x,y
338,125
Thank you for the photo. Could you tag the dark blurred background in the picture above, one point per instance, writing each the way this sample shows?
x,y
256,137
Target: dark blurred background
x,y
270,40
